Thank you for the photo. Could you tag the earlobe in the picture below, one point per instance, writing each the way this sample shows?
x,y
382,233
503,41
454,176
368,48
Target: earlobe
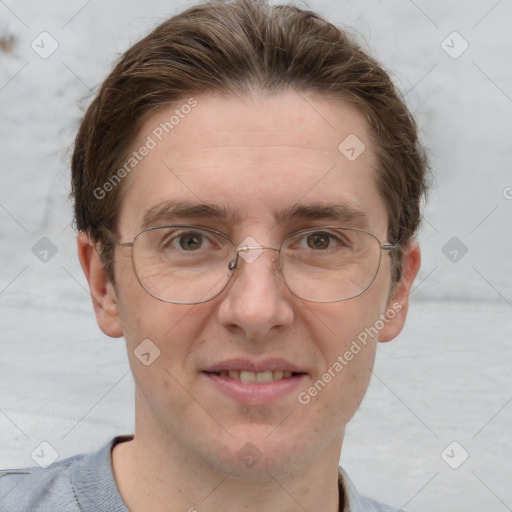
x,y
103,294
397,307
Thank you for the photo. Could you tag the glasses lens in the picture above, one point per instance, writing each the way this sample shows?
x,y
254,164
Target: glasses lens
x,y
329,264
182,264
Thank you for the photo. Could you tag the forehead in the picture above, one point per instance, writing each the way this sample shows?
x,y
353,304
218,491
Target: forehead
x,y
255,156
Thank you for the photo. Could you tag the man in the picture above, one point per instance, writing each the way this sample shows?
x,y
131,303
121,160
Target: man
x,y
246,185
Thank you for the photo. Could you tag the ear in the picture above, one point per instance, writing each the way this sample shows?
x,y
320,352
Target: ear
x,y
103,295
398,304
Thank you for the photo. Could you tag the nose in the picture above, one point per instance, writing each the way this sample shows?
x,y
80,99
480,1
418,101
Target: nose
x,y
256,300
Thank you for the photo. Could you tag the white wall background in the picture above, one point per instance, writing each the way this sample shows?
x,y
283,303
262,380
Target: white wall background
x,y
446,378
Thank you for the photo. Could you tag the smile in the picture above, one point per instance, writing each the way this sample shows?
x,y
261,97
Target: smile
x,y
256,388
260,377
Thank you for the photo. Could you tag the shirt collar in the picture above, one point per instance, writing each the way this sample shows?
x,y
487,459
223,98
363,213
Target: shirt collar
x,y
352,500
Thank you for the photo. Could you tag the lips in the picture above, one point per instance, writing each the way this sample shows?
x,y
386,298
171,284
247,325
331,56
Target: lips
x,y
252,382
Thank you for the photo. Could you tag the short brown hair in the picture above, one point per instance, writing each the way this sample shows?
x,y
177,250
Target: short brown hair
x,y
233,47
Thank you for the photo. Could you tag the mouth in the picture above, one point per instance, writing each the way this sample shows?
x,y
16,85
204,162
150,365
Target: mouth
x,y
249,383
263,377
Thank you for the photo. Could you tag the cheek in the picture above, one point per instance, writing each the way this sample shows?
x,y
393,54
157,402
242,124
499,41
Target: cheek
x,y
175,330
142,315
161,340
346,335
344,326
154,330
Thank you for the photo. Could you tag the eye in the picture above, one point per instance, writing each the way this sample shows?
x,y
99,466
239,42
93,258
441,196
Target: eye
x,y
318,240
189,241
323,240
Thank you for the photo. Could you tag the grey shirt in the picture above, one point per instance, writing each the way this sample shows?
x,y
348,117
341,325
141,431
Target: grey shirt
x,y
85,483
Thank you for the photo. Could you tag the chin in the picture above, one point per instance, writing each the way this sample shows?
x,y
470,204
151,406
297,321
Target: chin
x,y
262,456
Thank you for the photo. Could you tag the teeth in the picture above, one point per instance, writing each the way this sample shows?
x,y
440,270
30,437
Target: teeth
x,y
248,376
279,374
259,377
264,377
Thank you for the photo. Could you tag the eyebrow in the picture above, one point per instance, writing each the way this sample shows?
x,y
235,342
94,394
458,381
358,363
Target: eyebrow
x,y
342,213
182,209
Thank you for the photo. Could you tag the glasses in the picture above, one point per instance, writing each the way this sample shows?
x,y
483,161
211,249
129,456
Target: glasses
x,y
185,264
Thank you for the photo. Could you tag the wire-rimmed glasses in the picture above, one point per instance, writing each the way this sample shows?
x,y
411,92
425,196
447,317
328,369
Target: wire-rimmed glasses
x,y
187,264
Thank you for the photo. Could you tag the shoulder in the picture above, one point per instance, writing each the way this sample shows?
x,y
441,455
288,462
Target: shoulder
x,y
84,482
35,488
354,502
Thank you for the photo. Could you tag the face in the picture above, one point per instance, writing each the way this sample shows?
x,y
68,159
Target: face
x,y
253,158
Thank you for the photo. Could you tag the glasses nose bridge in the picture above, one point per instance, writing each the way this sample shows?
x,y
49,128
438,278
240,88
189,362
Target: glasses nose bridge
x,y
247,248
250,253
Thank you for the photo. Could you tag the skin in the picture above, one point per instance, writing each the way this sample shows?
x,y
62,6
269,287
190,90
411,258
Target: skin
x,y
253,154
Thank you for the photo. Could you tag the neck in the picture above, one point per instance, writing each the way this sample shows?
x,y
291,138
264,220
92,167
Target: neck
x,y
153,474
